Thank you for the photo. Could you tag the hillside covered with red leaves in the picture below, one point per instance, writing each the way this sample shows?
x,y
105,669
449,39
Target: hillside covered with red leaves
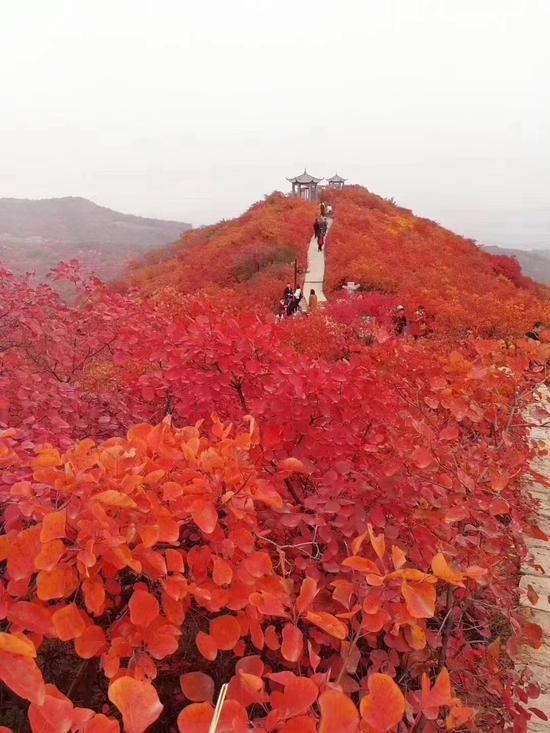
x,y
326,516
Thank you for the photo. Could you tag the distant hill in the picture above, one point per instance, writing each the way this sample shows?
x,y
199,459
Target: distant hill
x,y
535,263
36,235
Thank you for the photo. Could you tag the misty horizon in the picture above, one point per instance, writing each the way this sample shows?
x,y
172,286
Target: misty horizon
x,y
193,113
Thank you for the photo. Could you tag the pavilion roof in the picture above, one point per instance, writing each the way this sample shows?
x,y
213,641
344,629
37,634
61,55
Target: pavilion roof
x,y
304,177
337,179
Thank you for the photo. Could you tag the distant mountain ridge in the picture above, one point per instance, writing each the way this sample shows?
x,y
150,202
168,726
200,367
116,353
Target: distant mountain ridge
x,y
36,234
535,263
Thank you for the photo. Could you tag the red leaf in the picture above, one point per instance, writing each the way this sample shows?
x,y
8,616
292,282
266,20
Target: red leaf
x,y
299,695
533,635
22,676
92,643
197,686
422,457
308,591
293,643
196,718
383,708
225,631
144,608
137,701
31,616
207,646
338,713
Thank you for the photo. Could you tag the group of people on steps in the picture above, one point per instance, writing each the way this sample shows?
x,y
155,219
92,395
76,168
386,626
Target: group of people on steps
x,y
293,303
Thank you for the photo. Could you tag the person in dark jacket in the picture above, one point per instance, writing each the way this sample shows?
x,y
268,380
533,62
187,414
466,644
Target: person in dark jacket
x,y
535,332
399,319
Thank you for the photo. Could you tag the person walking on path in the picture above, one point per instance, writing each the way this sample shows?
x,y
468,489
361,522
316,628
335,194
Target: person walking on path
x,y
323,228
313,301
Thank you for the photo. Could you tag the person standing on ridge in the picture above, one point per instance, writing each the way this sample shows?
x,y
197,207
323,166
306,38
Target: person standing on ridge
x,y
420,323
322,208
535,332
399,319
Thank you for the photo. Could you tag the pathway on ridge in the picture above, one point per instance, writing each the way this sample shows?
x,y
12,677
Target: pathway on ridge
x,y
538,660
315,275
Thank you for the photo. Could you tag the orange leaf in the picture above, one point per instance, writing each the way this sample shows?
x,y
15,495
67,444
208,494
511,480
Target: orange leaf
x,y
398,557
206,646
292,465
378,542
308,591
68,622
94,596
459,716
196,718
293,643
356,562
53,527
17,644
137,701
251,682
197,686
338,713
144,608
116,499
225,631
204,515
420,598
328,623
384,706
357,543
49,555
101,724
439,695
441,568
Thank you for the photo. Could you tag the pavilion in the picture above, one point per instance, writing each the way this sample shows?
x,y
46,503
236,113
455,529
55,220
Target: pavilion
x,y
336,181
304,186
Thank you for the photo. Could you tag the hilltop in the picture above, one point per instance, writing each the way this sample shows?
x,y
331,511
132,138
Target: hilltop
x,y
385,248
36,235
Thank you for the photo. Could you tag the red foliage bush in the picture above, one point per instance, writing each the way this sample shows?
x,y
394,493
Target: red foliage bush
x,y
387,249
345,556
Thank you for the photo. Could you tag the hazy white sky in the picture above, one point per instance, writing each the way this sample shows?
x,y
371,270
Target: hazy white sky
x,y
193,110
